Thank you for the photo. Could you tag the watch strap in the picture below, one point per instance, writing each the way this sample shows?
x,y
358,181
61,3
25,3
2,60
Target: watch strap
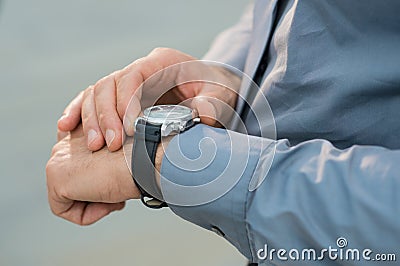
x,y
146,140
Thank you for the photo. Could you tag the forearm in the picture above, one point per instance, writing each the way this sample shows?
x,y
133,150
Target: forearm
x,y
196,198
314,193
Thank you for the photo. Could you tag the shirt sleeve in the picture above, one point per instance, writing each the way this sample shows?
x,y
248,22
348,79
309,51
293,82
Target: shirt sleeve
x,y
313,195
232,45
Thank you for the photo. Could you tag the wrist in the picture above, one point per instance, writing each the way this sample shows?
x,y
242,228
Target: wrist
x,y
121,172
160,155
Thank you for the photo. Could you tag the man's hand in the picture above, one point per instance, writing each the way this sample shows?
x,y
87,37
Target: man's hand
x,y
83,186
102,107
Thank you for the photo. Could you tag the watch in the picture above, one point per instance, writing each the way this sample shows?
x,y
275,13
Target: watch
x,y
157,121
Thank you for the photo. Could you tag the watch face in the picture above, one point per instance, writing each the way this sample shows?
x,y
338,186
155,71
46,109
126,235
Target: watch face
x,y
160,114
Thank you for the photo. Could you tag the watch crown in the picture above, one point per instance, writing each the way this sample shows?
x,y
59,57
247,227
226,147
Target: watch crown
x,y
166,129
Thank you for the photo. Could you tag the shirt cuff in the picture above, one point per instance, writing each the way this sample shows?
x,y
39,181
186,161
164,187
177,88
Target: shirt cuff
x,y
193,166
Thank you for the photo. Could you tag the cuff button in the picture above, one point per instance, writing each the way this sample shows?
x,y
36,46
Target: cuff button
x,y
217,231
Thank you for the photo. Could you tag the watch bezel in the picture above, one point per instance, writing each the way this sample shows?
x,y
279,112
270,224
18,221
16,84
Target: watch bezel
x,y
169,126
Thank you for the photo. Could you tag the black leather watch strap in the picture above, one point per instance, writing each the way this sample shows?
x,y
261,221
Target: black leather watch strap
x,y
146,140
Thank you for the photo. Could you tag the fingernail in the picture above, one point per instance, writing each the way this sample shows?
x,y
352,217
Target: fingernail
x,y
129,122
92,135
110,135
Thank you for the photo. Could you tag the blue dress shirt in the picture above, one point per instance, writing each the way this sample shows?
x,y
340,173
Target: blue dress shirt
x,y
333,83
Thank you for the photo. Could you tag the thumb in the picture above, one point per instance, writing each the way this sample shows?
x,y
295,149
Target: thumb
x,y
71,115
61,134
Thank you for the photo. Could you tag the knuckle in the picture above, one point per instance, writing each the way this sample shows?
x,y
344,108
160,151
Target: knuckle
x,y
88,121
129,69
86,118
104,119
79,97
87,92
53,210
86,124
102,84
61,191
97,87
161,50
51,204
50,178
121,79
49,170
119,74
54,150
53,166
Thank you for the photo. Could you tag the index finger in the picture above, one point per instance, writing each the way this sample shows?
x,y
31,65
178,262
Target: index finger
x,y
132,77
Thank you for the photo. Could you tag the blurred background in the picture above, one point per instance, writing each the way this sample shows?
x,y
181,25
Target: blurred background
x,y
49,51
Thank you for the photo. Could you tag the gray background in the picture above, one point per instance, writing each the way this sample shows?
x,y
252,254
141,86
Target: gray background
x,y
50,50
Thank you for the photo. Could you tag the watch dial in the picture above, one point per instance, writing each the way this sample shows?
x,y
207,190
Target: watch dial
x,y
161,113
